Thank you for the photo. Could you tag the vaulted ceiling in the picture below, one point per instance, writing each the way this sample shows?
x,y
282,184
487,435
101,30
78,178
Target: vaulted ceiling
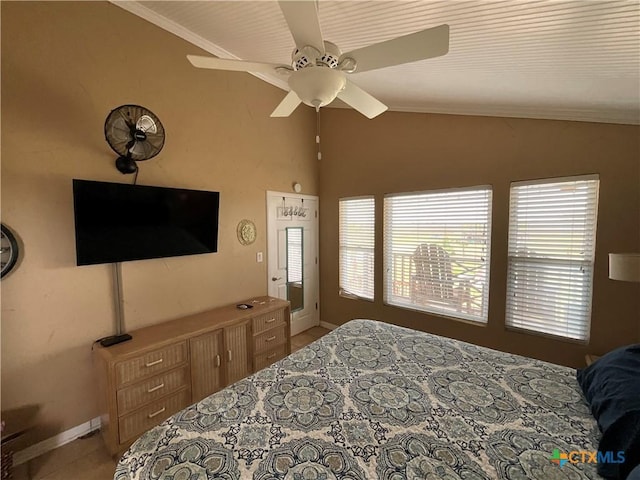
x,y
571,60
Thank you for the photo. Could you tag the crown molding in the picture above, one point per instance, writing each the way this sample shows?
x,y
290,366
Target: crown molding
x,y
178,30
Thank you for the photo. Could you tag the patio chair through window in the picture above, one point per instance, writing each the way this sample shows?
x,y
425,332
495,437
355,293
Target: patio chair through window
x,y
433,281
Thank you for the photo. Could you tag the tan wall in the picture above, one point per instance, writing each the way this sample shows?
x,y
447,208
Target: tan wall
x,y
400,152
64,67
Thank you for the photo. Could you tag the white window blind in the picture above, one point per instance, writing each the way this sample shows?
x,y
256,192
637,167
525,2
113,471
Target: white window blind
x,y
552,237
357,219
436,251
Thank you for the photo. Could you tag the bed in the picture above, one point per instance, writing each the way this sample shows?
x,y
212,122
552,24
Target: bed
x,y
372,400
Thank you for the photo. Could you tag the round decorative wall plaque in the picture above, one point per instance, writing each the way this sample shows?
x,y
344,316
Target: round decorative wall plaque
x,y
246,232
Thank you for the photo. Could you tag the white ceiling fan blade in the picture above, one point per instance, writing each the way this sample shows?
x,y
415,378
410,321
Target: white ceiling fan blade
x,y
302,19
287,105
233,65
429,43
360,100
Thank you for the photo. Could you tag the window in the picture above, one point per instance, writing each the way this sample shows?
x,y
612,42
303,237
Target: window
x,y
552,236
436,251
356,247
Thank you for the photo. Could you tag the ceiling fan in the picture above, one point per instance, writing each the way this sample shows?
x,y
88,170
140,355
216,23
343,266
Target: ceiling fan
x,y
318,71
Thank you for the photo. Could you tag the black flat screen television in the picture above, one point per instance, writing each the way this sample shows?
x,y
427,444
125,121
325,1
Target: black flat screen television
x,y
118,222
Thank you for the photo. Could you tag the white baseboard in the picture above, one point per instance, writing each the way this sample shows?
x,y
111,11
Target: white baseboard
x,y
328,325
56,441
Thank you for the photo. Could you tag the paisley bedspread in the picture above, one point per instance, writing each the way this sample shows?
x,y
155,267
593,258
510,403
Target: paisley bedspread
x,y
372,400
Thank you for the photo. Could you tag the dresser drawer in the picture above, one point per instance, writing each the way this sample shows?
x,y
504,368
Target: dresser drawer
x,y
270,339
267,321
150,363
132,425
138,394
265,359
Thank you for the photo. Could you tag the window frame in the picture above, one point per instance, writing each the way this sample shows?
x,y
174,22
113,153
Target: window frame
x,y
481,319
588,263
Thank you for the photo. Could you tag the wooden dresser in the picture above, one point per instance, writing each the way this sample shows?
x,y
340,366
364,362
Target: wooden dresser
x,y
168,366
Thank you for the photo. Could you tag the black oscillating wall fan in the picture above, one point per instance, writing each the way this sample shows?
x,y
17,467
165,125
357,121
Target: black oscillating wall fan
x,y
134,133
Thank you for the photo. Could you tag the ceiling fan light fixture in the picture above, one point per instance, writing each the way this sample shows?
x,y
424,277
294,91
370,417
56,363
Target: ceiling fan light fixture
x,y
317,86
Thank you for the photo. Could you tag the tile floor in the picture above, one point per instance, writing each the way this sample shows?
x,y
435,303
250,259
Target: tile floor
x,y
87,458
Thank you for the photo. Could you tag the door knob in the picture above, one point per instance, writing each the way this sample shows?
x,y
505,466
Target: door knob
x,y
275,279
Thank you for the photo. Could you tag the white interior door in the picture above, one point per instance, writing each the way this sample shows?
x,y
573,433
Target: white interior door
x,y
292,255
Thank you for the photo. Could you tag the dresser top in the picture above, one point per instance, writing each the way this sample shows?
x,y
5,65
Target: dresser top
x,y
171,331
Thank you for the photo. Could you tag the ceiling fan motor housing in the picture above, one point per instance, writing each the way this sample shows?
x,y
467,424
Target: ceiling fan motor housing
x,y
316,78
310,57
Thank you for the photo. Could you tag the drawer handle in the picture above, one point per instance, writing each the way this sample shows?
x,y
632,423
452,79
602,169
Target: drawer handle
x,y
217,360
155,414
151,364
269,357
270,339
157,387
271,320
229,355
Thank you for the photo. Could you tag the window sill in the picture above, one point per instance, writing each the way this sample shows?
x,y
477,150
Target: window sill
x,y
477,323
351,296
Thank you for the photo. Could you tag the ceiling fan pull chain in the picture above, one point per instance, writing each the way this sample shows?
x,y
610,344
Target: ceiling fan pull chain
x,y
318,132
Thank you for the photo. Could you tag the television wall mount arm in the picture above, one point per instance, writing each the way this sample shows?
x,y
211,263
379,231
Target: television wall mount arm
x,y
119,309
117,297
